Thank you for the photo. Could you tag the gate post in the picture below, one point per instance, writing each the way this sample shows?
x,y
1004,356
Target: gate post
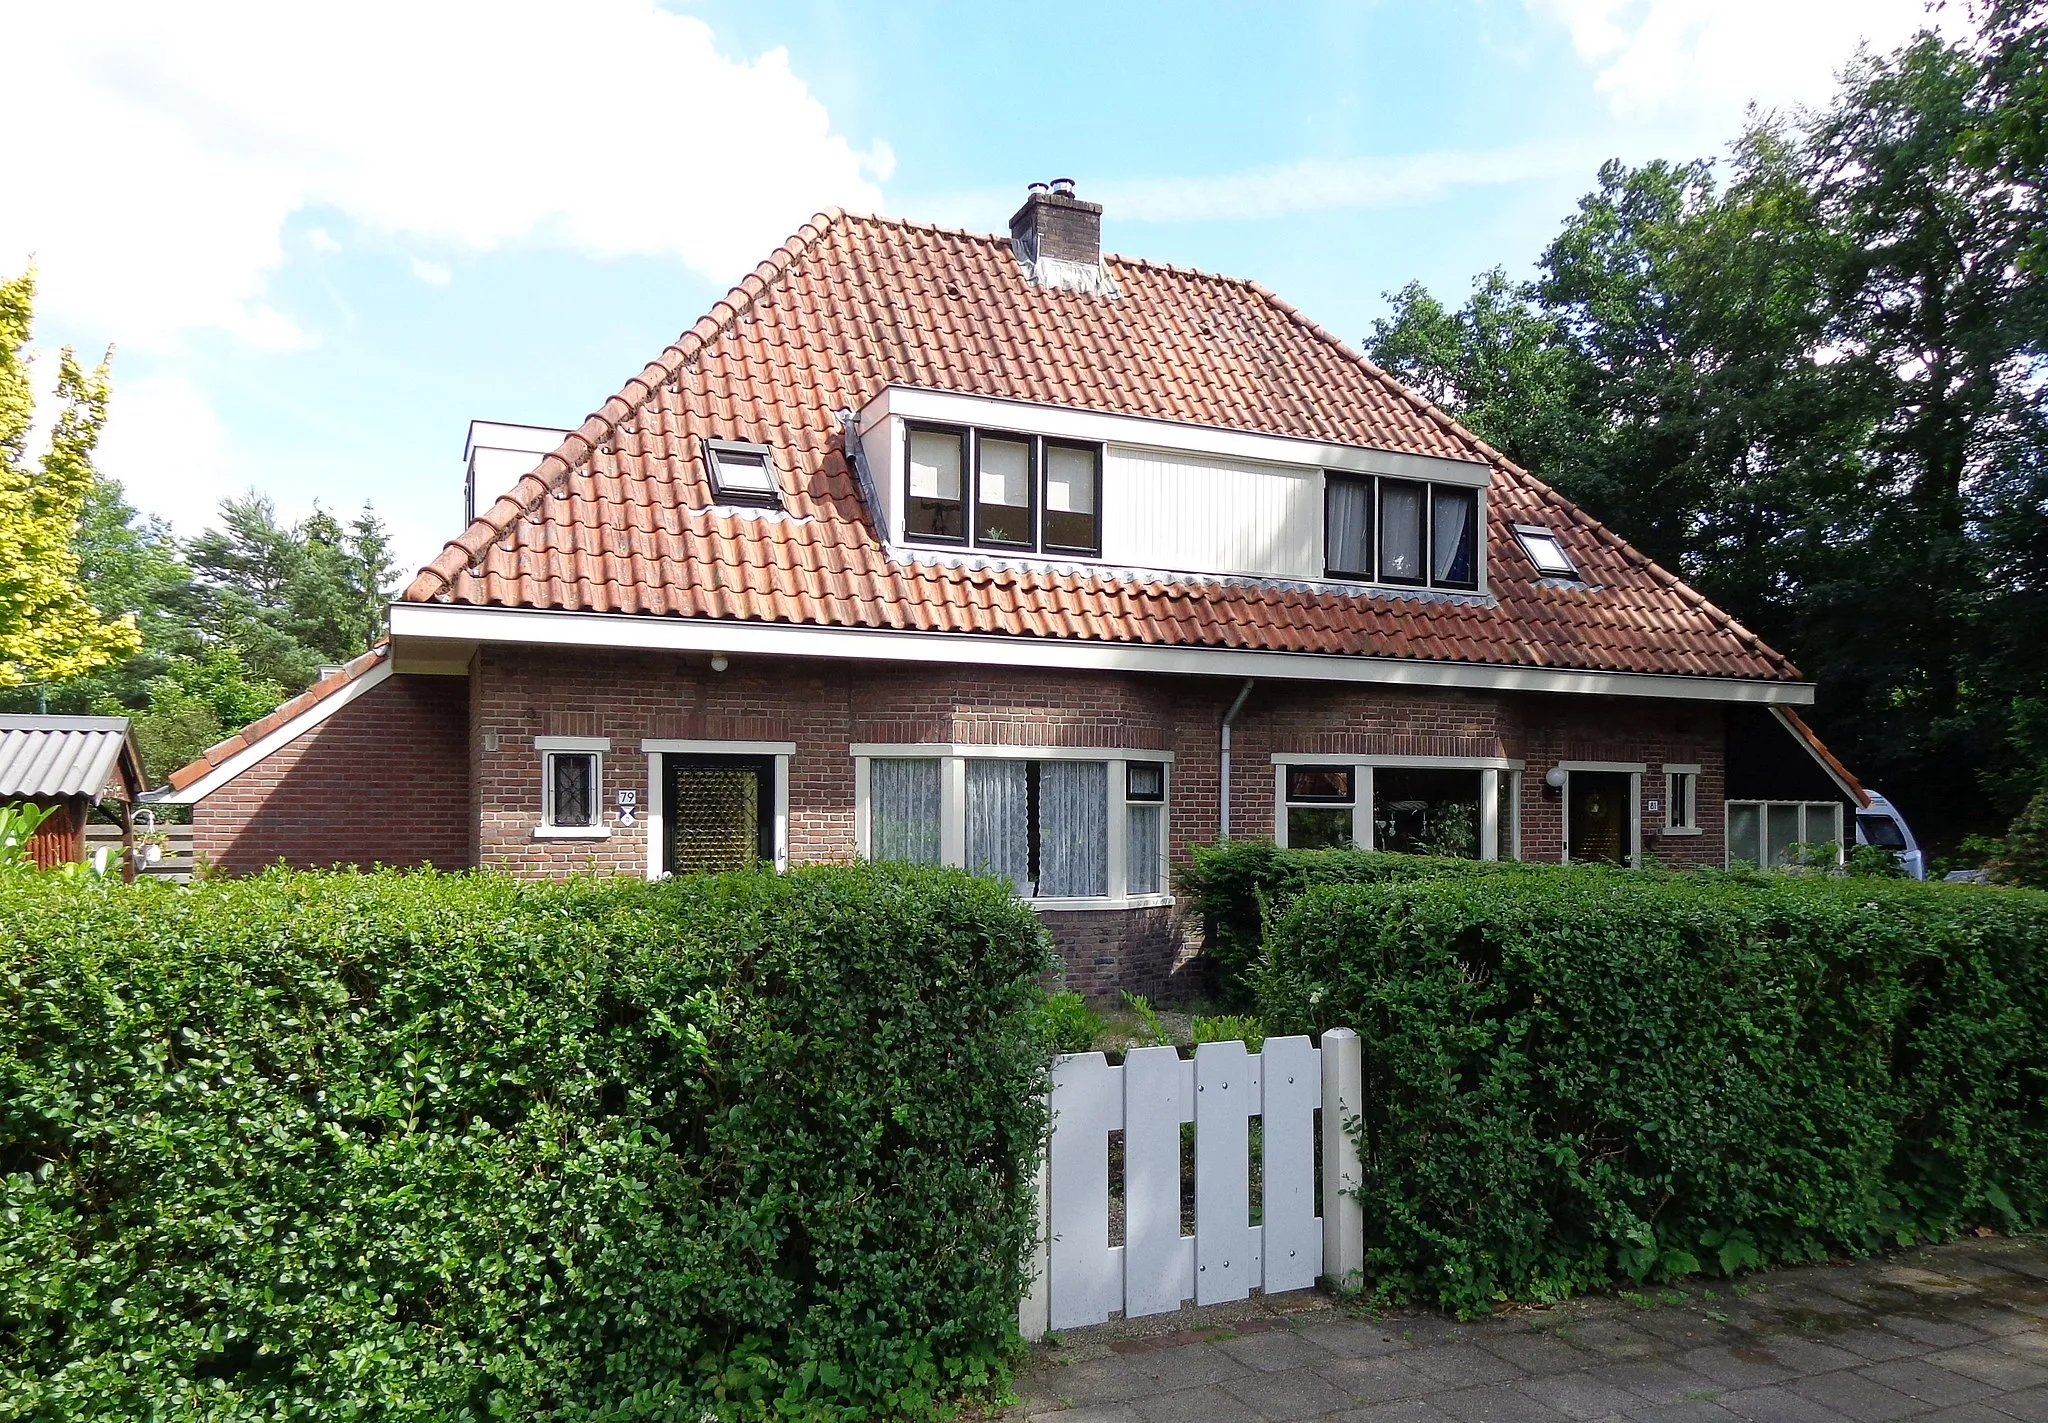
x,y
1343,1168
1034,1311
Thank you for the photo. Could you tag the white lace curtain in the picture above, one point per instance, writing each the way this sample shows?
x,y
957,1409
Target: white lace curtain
x,y
1073,828
998,822
1073,825
903,810
1141,850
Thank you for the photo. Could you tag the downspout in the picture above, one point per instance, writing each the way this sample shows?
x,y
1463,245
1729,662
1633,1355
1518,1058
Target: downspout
x,y
1223,761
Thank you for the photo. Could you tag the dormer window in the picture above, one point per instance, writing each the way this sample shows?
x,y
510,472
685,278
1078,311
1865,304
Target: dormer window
x,y
741,473
998,490
1545,551
1399,531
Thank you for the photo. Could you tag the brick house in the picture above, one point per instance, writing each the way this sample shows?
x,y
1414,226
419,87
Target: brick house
x,y
1005,553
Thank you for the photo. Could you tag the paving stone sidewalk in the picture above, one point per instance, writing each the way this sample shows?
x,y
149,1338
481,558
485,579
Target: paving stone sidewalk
x,y
1958,1332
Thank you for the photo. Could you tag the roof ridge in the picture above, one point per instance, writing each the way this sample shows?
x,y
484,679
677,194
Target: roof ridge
x,y
1458,430
598,427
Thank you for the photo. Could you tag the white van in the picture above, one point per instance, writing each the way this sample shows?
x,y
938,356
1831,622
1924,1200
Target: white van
x,y
1880,823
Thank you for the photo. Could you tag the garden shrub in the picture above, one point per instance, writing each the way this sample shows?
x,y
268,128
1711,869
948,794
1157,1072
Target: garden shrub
x,y
1237,885
426,1146
1070,1023
1578,1076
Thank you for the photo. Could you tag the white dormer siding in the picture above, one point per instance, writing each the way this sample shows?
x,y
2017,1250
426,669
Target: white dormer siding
x,y
1175,497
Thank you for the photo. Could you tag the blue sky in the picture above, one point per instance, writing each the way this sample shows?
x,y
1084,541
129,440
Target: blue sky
x,y
322,244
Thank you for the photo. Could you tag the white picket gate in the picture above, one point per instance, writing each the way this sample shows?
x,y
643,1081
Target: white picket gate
x,y
1081,1279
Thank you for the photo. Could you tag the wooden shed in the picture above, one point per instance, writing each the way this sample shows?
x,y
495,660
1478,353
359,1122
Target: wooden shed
x,y
76,763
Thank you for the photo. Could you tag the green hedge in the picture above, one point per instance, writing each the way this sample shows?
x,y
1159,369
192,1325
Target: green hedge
x,y
440,1147
1576,1077
1237,885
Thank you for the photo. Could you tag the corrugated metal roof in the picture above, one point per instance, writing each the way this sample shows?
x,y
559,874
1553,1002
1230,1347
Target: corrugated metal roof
x,y
59,755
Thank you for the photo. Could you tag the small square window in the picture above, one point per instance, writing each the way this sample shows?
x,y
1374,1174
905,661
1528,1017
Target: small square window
x,y
742,473
1545,551
1329,785
1144,780
571,790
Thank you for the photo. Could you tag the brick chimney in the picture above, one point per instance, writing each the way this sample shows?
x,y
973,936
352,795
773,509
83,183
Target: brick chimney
x,y
1058,239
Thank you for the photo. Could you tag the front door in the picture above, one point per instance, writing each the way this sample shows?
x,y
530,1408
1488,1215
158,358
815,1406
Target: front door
x,y
1596,823
717,813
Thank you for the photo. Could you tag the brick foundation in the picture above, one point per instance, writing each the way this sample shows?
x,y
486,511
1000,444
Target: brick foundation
x,y
1104,952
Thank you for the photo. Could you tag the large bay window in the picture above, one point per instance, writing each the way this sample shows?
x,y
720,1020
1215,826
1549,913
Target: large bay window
x,y
1414,805
1059,824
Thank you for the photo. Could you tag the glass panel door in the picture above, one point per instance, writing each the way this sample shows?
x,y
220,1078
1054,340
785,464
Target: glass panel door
x,y
718,813
1597,825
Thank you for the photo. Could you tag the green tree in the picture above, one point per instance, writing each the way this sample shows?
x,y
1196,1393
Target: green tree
x,y
291,597
49,630
1814,384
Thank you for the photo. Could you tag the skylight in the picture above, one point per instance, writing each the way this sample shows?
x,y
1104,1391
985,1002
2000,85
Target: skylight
x,y
741,473
1545,551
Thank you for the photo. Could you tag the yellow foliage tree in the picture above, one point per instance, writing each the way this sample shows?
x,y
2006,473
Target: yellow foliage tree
x,y
49,630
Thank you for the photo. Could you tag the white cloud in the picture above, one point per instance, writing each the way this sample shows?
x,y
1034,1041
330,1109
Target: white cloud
x,y
1707,59
1321,185
166,444
161,149
434,274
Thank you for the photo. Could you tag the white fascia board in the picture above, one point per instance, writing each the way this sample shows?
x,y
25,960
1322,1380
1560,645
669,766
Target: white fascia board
x,y
536,627
572,743
291,731
1064,422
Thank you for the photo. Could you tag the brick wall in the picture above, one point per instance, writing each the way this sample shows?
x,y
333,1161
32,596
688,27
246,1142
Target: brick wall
x,y
382,781
461,757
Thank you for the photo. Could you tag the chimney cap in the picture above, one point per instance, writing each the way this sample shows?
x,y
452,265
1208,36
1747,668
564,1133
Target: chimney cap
x,y
1035,189
1063,186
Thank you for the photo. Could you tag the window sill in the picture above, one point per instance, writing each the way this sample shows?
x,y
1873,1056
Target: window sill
x,y
1670,831
572,832
1129,901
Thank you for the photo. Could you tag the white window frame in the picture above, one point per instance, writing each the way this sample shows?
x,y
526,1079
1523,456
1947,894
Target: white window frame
x,y
1490,768
551,746
953,758
651,813
1569,573
1671,774
1763,823
735,496
1635,770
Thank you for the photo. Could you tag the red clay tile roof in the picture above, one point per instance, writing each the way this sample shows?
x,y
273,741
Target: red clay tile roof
x,y
255,731
619,519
